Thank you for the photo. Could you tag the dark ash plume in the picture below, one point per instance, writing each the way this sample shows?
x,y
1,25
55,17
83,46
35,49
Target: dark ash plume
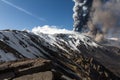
x,y
105,19
81,13
101,17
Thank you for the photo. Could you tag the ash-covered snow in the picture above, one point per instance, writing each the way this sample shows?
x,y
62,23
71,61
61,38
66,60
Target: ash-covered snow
x,y
58,45
69,36
30,44
6,56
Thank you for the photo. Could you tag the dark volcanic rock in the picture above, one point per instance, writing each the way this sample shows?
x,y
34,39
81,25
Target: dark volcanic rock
x,y
69,56
30,69
38,69
41,69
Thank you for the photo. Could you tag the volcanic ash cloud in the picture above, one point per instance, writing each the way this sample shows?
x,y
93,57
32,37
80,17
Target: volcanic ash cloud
x,y
81,14
105,19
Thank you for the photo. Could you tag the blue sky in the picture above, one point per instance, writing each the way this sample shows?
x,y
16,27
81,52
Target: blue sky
x,y
26,14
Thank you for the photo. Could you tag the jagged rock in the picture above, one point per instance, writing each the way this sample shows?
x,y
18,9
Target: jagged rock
x,y
30,69
26,70
66,56
41,69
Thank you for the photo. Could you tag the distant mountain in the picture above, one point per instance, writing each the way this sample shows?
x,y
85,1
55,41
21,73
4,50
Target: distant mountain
x,y
72,54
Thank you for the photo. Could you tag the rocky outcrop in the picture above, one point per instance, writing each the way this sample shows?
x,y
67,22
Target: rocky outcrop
x,y
41,69
66,56
30,69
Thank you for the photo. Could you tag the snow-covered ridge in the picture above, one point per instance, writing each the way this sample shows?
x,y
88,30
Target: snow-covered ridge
x,y
53,31
30,44
59,46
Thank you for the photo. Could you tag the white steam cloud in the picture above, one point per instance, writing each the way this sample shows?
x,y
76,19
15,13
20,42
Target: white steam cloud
x,y
46,29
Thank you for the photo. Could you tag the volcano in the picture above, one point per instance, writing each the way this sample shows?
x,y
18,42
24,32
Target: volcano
x,y
70,54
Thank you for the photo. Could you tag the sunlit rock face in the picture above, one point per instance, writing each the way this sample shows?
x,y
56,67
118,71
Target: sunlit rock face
x,y
74,55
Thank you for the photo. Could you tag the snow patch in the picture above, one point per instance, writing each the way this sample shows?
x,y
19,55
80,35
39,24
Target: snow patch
x,y
52,31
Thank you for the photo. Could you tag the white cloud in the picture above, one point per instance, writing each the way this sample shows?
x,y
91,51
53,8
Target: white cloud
x,y
46,29
22,10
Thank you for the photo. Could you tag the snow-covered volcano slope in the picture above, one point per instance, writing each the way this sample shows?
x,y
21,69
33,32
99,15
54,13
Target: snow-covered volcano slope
x,y
60,46
22,44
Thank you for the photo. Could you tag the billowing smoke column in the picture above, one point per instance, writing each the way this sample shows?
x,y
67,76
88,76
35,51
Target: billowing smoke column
x,y
102,17
81,13
105,19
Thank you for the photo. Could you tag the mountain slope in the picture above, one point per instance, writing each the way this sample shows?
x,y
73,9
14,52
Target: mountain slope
x,y
73,54
20,44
